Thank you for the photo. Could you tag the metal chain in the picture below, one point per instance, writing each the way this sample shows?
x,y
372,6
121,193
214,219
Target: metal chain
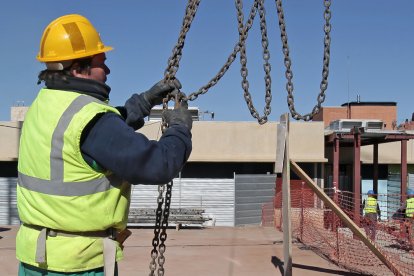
x,y
173,64
288,62
169,75
193,96
155,240
164,226
243,61
173,61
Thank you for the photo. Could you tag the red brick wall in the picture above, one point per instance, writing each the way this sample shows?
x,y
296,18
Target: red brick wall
x,y
387,114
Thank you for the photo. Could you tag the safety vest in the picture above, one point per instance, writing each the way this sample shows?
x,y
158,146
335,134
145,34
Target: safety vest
x,y
409,211
370,205
58,190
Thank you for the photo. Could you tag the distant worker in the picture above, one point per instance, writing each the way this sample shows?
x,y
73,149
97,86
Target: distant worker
x,y
409,215
372,213
78,156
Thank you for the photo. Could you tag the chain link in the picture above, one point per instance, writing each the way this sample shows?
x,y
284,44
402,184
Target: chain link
x,y
288,63
157,228
174,60
193,96
243,61
164,226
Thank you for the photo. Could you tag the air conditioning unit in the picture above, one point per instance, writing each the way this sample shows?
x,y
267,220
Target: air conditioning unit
x,y
348,124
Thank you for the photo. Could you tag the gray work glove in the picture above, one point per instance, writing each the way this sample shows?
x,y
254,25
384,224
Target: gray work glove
x,y
159,91
179,116
139,105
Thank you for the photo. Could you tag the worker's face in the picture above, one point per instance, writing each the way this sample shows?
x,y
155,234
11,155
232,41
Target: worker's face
x,y
98,70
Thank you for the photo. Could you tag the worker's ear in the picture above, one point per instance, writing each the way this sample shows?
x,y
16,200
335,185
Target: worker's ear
x,y
77,71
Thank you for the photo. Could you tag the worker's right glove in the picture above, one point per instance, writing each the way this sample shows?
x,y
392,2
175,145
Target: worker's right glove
x,y
159,91
179,116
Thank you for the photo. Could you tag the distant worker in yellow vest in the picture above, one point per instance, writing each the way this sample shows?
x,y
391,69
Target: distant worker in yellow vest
x,y
78,156
372,213
409,215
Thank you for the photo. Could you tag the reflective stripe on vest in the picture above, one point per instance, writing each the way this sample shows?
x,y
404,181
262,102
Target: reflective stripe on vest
x,y
409,211
370,205
60,188
56,185
56,158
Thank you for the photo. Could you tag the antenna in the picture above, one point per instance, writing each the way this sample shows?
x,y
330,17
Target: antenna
x,y
348,115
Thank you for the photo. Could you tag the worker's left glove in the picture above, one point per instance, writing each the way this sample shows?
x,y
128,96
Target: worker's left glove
x,y
139,105
180,115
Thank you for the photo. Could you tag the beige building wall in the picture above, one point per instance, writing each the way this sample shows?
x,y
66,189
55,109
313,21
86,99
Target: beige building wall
x,y
388,153
215,141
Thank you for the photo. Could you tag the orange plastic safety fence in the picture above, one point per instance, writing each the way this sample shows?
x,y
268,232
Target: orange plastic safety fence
x,y
321,230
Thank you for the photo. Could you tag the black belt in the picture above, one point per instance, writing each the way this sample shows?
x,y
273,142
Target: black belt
x,y
108,233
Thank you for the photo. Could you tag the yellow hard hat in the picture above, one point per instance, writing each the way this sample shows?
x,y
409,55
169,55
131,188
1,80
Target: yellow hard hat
x,y
70,37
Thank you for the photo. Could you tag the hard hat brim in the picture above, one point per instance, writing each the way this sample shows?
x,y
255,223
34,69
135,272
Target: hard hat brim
x,y
74,56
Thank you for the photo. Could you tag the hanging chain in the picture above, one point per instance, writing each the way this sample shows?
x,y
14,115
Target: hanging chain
x,y
161,222
243,61
193,96
164,226
169,75
174,60
157,228
288,62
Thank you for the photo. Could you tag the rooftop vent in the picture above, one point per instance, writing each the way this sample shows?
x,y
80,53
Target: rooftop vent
x,y
348,124
156,113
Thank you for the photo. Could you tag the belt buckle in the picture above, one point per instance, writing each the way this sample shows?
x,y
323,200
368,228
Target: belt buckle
x,y
51,233
112,233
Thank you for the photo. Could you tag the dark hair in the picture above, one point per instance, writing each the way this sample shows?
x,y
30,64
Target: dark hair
x,y
80,65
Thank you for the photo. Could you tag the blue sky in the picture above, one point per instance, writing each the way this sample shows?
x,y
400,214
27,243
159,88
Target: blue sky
x,y
372,51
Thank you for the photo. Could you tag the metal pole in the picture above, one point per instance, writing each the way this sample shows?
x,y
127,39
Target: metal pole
x,y
403,170
287,233
357,175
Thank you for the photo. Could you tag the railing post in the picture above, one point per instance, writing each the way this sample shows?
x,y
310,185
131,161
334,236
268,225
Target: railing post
x,y
301,211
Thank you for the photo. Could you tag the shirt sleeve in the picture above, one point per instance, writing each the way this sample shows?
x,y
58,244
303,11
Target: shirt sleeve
x,y
116,147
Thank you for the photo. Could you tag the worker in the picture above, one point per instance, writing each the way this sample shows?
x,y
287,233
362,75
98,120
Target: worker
x,y
409,215
78,156
409,206
372,213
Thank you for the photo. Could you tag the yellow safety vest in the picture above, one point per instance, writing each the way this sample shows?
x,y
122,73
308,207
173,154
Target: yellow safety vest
x,y
58,190
409,211
370,205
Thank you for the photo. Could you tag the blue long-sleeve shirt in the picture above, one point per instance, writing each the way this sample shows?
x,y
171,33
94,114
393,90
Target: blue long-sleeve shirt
x,y
109,142
132,156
